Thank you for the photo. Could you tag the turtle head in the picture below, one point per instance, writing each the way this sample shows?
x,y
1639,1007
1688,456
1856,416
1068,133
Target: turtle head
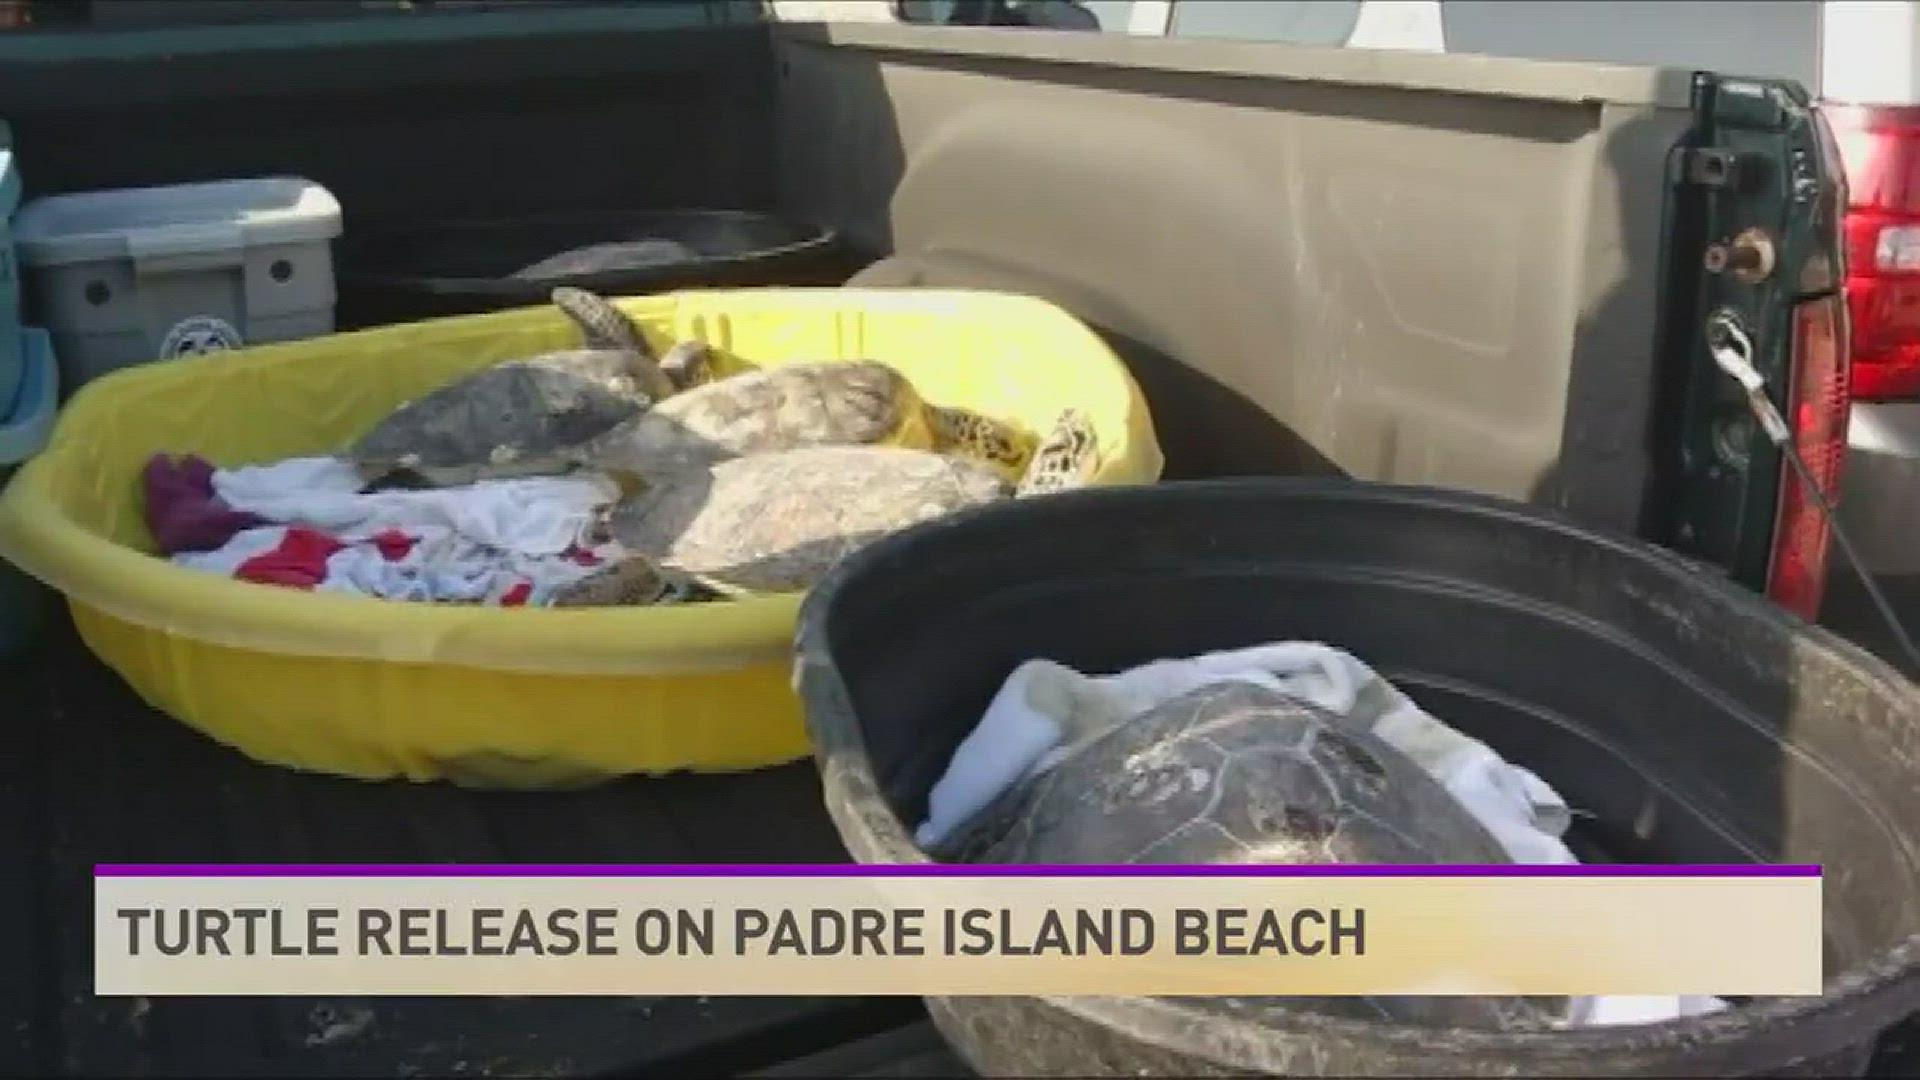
x,y
1066,458
688,364
970,434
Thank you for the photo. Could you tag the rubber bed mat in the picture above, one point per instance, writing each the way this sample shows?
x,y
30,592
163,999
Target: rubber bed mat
x,y
107,780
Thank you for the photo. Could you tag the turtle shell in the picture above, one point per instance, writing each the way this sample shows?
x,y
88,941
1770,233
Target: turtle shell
x,y
1239,773
786,406
776,522
519,418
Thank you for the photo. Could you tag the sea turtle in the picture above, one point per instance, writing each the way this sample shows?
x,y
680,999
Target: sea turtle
x,y
780,407
521,417
775,522
790,406
1235,772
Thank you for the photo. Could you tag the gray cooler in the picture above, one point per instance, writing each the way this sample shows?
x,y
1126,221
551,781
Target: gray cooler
x,y
129,276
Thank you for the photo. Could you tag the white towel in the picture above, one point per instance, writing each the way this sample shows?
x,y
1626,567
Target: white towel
x,y
537,516
441,567
444,566
1045,708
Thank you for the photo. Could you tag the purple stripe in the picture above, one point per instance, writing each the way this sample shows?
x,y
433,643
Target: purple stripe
x,y
909,870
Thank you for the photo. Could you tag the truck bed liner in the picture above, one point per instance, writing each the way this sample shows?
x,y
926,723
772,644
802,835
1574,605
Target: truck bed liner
x,y
105,779
96,776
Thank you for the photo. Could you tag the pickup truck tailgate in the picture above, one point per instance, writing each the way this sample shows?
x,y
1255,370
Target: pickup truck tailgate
x,y
1427,269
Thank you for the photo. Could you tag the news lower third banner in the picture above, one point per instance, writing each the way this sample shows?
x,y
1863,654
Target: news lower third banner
x,y
933,929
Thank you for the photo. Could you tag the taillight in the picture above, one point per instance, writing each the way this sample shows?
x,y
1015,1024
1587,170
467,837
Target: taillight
x,y
1880,147
1818,402
1828,360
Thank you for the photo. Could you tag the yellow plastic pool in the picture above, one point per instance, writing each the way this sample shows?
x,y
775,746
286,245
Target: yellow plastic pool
x,y
490,696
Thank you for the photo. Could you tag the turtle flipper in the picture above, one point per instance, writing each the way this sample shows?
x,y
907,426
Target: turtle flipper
x,y
1066,458
603,326
634,581
968,433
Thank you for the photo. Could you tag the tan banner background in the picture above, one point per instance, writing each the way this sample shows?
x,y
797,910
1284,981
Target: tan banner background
x,y
1432,935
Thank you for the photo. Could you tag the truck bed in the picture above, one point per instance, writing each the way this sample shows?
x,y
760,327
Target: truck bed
x,y
99,777
102,778
1458,258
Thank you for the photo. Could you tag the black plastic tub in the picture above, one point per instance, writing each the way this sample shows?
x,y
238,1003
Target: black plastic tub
x,y
1698,723
398,273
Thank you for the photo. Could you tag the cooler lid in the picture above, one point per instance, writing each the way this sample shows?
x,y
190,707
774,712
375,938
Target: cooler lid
x,y
175,219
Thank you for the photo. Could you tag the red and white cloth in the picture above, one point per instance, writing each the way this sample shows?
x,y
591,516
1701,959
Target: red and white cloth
x,y
537,515
507,542
426,563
